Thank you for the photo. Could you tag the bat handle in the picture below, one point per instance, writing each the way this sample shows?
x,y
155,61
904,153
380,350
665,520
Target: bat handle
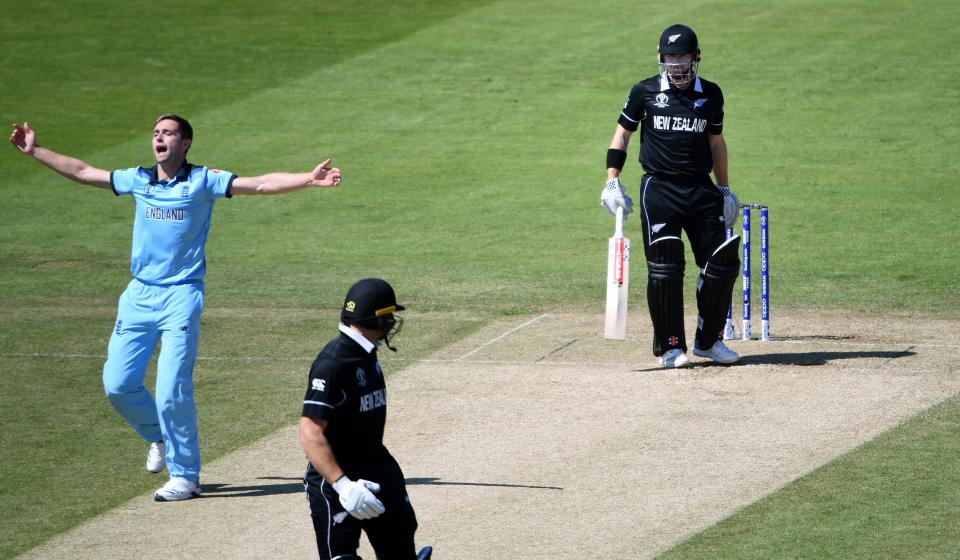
x,y
618,232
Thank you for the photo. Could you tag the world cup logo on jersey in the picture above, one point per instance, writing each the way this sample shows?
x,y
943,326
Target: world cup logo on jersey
x,y
661,101
361,378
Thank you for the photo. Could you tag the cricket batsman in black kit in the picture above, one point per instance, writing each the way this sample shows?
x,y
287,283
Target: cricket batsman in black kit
x,y
680,116
352,481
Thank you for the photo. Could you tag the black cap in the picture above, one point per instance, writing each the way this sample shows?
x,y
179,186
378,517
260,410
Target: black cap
x,y
678,39
367,302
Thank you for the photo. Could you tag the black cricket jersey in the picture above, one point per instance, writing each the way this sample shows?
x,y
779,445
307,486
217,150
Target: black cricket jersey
x,y
674,138
347,389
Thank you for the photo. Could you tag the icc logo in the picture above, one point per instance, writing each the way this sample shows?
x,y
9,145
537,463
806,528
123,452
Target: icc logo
x,y
350,306
661,101
361,378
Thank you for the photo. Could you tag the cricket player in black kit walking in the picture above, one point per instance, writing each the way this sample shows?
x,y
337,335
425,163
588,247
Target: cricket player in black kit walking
x,y
680,116
352,481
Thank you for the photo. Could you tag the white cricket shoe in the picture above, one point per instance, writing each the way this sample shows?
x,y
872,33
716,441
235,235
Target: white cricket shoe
x,y
177,489
156,457
674,358
718,353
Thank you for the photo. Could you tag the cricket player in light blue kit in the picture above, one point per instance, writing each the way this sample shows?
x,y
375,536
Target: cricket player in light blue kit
x,y
174,203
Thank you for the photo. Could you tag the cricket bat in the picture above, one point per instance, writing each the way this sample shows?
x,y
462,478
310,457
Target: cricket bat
x,y
618,279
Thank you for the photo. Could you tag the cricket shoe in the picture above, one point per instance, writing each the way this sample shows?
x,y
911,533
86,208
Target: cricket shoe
x,y
425,553
177,489
674,358
718,353
156,457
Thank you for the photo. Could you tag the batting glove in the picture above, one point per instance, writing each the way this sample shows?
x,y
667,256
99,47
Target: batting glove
x,y
613,197
731,206
357,497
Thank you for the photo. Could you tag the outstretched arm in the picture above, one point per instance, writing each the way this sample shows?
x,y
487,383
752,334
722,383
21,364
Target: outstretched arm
x,y
25,139
279,183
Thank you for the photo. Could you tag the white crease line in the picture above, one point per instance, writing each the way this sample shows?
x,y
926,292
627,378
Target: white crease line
x,y
504,335
758,346
199,358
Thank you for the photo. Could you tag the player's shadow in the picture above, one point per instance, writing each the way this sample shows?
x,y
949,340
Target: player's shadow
x,y
797,359
821,358
216,490
230,491
432,481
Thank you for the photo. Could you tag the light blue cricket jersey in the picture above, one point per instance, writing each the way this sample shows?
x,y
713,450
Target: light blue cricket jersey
x,y
172,220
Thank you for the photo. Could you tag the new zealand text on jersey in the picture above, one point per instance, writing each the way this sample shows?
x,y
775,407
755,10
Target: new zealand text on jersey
x,y
678,124
175,214
373,400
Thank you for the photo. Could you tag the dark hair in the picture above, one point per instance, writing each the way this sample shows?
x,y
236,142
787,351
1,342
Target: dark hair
x,y
186,131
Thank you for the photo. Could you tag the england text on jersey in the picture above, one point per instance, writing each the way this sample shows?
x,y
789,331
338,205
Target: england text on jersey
x,y
175,214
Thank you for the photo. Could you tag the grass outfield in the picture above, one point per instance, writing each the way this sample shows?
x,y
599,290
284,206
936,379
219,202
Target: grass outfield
x,y
897,496
471,136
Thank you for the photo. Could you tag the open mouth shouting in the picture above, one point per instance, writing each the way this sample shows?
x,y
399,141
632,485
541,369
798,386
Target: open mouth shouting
x,y
169,145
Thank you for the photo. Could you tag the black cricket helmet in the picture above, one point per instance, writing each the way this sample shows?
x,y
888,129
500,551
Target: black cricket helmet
x,y
679,39
372,304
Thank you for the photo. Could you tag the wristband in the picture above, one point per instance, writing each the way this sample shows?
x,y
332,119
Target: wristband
x,y
616,158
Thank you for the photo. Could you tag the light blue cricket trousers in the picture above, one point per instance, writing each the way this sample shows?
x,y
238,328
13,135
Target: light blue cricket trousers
x,y
169,314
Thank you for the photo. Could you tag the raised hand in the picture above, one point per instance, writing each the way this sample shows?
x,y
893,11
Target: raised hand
x,y
24,138
325,176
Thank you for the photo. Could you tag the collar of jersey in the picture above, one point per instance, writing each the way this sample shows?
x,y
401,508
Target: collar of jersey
x,y
181,175
358,338
665,84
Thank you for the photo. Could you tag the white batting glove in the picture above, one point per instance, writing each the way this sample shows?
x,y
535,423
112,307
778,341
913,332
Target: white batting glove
x,y
357,497
731,206
613,197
